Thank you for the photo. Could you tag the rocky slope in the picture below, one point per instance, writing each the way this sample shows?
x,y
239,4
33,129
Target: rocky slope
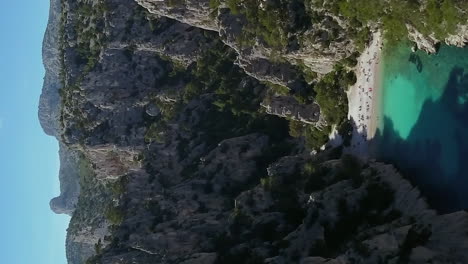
x,y
318,45
183,139
429,43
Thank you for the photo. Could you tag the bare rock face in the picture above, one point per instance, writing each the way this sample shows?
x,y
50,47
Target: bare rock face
x,y
197,13
111,162
237,157
49,104
289,107
429,43
69,175
59,206
460,39
424,224
319,48
426,43
263,69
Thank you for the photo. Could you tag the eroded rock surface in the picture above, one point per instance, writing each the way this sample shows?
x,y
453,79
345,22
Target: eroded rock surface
x,y
289,107
429,43
319,47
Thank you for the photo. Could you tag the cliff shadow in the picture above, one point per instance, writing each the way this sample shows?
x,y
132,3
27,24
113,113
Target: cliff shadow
x,y
434,155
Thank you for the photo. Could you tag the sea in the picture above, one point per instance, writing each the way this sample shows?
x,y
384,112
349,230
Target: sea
x,y
423,124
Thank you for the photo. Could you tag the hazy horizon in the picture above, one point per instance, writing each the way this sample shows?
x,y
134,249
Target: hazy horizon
x,y
31,232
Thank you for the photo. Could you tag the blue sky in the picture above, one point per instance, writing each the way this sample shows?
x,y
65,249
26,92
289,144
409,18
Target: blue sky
x,y
30,232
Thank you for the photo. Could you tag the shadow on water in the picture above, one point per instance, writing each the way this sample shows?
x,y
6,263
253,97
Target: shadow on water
x,y
416,60
435,154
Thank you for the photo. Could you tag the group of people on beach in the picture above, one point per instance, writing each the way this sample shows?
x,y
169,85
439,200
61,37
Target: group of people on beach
x,y
361,109
365,92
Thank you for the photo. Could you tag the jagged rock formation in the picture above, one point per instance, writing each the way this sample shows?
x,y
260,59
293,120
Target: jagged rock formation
x,y
49,105
460,39
175,148
192,12
319,47
288,107
429,43
69,177
49,112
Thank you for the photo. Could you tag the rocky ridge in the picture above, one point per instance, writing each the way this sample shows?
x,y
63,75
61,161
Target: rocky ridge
x,y
430,43
314,47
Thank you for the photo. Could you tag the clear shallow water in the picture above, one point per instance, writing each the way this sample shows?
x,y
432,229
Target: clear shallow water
x,y
424,121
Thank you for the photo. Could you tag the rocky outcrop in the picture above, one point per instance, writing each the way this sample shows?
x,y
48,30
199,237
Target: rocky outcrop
x,y
49,104
429,43
49,112
197,13
460,39
423,42
69,176
418,234
111,162
319,48
411,230
289,107
280,73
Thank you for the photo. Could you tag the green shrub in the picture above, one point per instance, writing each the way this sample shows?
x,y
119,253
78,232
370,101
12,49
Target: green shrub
x,y
269,183
331,94
156,133
310,168
115,215
296,128
346,132
276,88
214,4
216,73
118,187
437,16
269,24
175,3
315,138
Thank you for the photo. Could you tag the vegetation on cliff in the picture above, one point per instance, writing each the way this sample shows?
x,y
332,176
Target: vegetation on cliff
x,y
283,24
81,39
431,16
270,22
97,209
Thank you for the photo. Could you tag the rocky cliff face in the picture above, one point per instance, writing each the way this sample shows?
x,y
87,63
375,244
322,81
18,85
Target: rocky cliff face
x,y
288,107
49,112
49,104
318,45
430,43
174,127
69,177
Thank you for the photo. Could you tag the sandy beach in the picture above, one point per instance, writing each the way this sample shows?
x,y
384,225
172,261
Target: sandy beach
x,y
364,97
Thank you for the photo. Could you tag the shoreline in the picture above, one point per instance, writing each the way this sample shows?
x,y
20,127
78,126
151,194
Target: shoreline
x,y
376,109
364,97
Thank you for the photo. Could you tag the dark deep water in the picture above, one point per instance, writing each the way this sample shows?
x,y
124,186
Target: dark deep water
x,y
424,130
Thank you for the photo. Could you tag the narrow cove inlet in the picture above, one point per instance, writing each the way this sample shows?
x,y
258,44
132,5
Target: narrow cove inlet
x,y
423,121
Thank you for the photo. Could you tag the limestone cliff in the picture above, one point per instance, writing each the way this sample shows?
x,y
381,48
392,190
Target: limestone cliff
x,y
49,112
49,104
430,43
318,45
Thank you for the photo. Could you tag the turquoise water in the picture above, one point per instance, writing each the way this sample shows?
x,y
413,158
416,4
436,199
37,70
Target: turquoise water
x,y
424,124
